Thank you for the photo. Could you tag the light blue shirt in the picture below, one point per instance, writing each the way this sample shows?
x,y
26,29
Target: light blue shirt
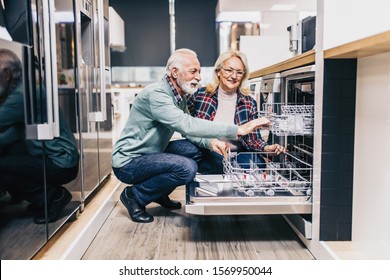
x,y
154,116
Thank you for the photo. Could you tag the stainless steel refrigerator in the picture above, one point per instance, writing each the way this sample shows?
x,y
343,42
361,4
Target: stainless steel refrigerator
x,y
63,45
94,82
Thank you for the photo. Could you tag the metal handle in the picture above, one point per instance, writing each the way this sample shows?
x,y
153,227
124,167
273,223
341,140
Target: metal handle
x,y
102,60
50,129
94,113
54,71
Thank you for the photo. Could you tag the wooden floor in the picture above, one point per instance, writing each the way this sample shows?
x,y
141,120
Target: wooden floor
x,y
175,235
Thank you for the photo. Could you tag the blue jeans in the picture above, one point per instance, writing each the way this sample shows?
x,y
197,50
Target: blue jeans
x,y
156,175
22,175
244,160
209,162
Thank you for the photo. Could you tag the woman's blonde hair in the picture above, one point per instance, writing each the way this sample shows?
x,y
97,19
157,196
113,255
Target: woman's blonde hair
x,y
210,88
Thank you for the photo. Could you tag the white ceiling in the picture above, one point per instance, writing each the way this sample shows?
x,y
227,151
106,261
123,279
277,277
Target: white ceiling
x,y
265,5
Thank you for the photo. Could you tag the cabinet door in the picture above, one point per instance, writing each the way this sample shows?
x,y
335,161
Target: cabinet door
x,y
20,237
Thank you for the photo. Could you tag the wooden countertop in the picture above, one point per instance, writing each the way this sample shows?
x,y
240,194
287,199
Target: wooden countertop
x,y
376,44
296,61
372,45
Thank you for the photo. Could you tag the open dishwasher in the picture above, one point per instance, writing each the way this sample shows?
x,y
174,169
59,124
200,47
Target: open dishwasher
x,y
273,187
281,185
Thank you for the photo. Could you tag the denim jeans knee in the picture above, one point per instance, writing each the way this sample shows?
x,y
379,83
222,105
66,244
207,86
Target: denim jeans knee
x,y
154,175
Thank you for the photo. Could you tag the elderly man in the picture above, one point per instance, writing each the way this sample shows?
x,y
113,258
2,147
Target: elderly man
x,y
143,157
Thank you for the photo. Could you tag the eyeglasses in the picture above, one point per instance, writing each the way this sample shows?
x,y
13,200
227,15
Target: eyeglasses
x,y
230,71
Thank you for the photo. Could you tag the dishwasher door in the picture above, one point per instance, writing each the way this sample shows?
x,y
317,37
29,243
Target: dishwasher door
x,y
282,186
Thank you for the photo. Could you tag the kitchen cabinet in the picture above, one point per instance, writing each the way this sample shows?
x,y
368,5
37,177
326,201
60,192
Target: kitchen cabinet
x,y
343,21
350,181
368,43
306,58
117,31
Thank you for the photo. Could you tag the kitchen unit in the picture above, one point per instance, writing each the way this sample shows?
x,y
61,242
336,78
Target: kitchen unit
x,y
348,71
368,48
64,48
299,85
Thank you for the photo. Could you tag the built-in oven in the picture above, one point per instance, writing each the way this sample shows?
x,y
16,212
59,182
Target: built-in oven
x,y
281,185
269,91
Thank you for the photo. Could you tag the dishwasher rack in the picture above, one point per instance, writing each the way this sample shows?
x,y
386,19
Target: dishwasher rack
x,y
280,186
290,176
288,119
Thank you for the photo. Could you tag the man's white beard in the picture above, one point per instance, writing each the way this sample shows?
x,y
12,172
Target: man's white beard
x,y
186,86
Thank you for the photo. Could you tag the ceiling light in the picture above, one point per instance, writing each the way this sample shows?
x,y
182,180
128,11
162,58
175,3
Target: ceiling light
x,y
239,16
283,7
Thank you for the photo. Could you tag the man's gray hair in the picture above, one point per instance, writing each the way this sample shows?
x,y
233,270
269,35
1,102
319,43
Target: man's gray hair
x,y
176,59
9,60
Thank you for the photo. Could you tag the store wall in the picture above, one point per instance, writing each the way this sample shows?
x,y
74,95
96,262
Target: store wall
x,y
147,35
352,20
196,28
371,192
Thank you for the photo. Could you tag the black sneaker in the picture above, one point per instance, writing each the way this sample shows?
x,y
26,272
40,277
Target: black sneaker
x,y
55,208
136,211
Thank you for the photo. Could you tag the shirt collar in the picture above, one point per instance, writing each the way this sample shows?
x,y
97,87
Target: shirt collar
x,y
175,93
240,96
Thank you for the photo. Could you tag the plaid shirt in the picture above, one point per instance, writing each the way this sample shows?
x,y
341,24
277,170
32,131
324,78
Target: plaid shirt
x,y
204,105
175,93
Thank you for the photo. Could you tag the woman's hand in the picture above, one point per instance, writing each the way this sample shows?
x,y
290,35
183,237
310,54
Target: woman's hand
x,y
275,148
252,125
219,147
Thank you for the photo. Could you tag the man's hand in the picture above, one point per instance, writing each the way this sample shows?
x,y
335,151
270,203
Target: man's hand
x,y
252,125
219,147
